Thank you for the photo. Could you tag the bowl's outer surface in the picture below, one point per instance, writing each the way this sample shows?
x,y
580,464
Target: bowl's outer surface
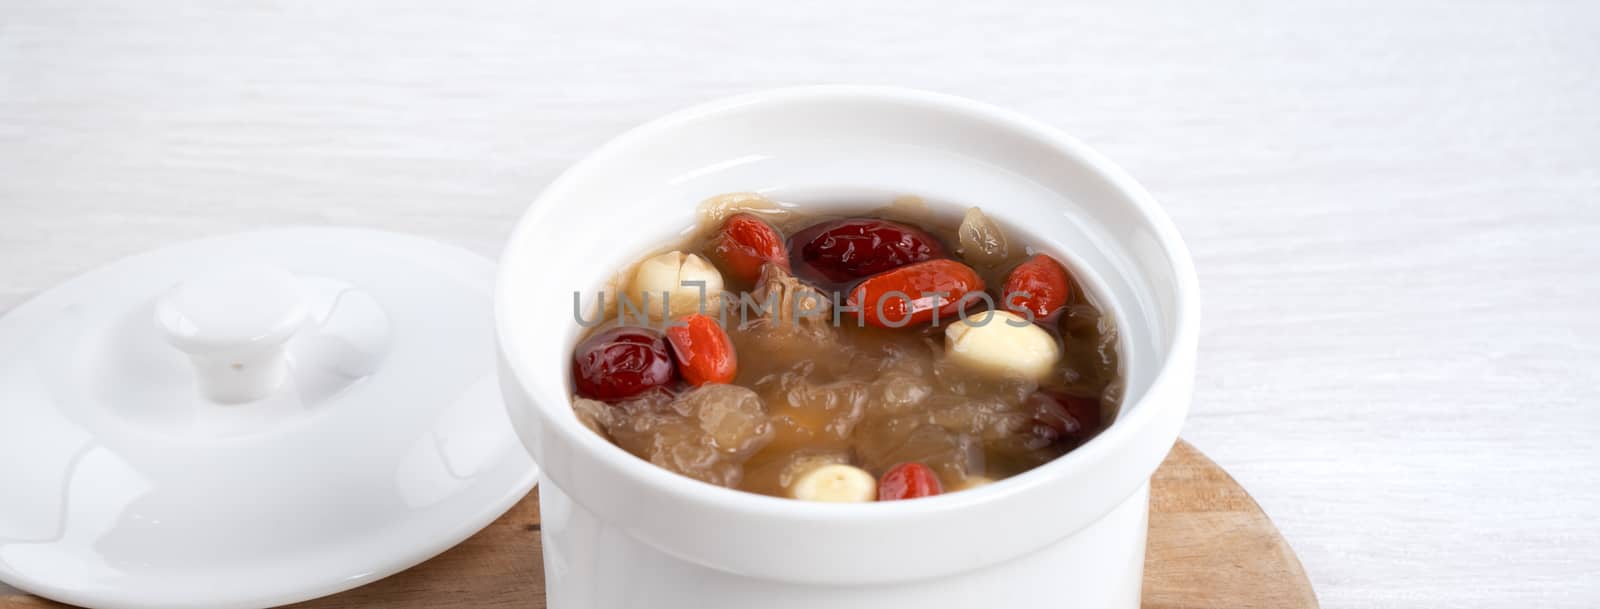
x,y
824,146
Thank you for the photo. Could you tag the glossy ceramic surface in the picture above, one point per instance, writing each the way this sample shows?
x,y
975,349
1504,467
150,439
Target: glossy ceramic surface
x,y
374,439
680,543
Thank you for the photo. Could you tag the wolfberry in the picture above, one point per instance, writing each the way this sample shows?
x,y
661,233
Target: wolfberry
x,y
703,351
908,481
1038,286
746,243
913,294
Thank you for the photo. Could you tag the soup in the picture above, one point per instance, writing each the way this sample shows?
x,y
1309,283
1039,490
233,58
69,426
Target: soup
x,y
883,355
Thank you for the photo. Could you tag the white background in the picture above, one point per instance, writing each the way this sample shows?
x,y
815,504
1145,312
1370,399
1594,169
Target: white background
x,y
1392,204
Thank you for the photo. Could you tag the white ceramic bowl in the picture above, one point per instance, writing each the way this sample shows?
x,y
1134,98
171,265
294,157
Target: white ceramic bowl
x,y
621,532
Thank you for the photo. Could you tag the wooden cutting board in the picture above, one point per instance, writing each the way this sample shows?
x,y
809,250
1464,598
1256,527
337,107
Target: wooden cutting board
x,y
1210,547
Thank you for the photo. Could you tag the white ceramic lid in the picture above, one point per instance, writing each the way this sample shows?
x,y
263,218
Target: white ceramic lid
x,y
251,420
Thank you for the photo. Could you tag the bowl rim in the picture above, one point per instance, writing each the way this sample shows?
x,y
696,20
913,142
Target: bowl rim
x,y
1140,414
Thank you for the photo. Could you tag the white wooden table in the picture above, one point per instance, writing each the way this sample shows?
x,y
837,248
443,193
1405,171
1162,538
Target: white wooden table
x,y
1393,205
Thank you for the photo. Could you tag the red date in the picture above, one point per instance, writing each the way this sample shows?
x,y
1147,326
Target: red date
x,y
1063,418
908,481
620,363
840,251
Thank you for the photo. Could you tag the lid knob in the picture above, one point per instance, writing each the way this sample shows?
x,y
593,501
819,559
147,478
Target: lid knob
x,y
234,323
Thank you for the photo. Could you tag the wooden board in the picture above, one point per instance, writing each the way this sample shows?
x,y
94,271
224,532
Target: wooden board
x,y
1210,547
